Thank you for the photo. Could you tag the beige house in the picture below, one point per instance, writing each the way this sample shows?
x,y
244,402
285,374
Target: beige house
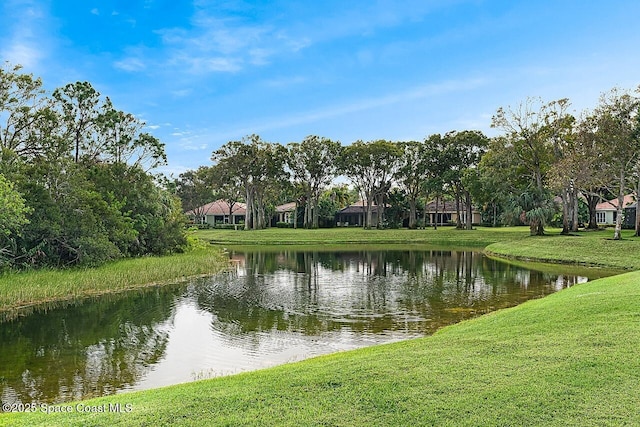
x,y
284,213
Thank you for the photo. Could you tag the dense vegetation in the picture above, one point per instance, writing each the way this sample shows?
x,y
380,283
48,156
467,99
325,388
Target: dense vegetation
x,y
547,166
74,182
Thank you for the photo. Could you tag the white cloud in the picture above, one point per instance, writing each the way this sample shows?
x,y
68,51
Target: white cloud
x,y
130,64
95,11
26,40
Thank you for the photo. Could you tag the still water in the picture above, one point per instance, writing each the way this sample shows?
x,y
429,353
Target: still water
x,y
274,306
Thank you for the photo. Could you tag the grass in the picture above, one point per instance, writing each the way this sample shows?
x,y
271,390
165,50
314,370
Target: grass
x,y
478,237
584,248
592,248
27,289
567,359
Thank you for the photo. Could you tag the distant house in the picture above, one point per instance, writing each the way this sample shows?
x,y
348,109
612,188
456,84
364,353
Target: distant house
x,y
447,213
355,215
217,213
284,213
607,212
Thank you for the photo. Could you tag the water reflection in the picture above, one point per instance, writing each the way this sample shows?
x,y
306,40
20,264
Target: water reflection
x,y
273,307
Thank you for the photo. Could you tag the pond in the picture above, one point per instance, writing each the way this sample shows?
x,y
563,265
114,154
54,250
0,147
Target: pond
x,y
274,306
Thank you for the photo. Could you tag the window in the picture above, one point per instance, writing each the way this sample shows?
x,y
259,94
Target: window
x,y
601,217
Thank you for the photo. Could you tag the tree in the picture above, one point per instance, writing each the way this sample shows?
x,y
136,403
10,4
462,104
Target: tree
x,y
463,151
313,163
412,172
194,188
80,114
530,131
258,164
370,166
614,125
21,106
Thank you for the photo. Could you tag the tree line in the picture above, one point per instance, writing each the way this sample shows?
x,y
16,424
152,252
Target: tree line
x,y
546,165
75,181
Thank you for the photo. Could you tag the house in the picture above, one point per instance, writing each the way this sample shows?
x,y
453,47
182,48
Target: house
x,y
607,212
447,213
217,213
284,213
355,215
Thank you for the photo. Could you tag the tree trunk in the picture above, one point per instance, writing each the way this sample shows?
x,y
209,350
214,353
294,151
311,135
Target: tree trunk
x,y
249,210
412,213
592,201
495,214
565,212
368,218
617,234
314,213
458,219
380,215
637,234
295,216
435,222
576,209
469,210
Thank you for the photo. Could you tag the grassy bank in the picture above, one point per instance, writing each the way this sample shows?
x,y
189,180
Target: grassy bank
x,y
567,359
592,248
584,248
480,237
18,290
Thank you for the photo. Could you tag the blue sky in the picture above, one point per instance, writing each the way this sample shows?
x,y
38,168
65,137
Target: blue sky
x,y
201,73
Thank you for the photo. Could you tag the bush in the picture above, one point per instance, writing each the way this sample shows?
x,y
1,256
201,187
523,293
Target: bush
x,y
284,225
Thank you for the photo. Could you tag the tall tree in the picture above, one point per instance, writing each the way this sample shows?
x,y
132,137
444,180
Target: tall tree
x,y
313,163
259,164
412,172
614,124
80,114
529,131
463,151
370,166
22,103
194,188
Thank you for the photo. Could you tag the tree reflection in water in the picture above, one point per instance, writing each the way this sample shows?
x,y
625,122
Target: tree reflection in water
x,y
90,348
277,305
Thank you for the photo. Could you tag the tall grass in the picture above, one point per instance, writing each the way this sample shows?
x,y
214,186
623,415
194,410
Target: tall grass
x,y
20,289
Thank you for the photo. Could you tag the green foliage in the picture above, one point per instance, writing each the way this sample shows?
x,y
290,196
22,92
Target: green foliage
x,y
76,164
13,210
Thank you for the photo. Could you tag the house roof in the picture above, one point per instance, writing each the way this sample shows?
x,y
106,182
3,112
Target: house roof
x,y
612,205
219,207
358,207
287,207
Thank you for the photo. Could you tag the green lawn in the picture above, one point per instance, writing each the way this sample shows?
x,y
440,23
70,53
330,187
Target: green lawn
x,y
478,237
569,359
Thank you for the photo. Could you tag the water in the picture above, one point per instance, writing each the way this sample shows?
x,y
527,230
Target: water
x,y
275,306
